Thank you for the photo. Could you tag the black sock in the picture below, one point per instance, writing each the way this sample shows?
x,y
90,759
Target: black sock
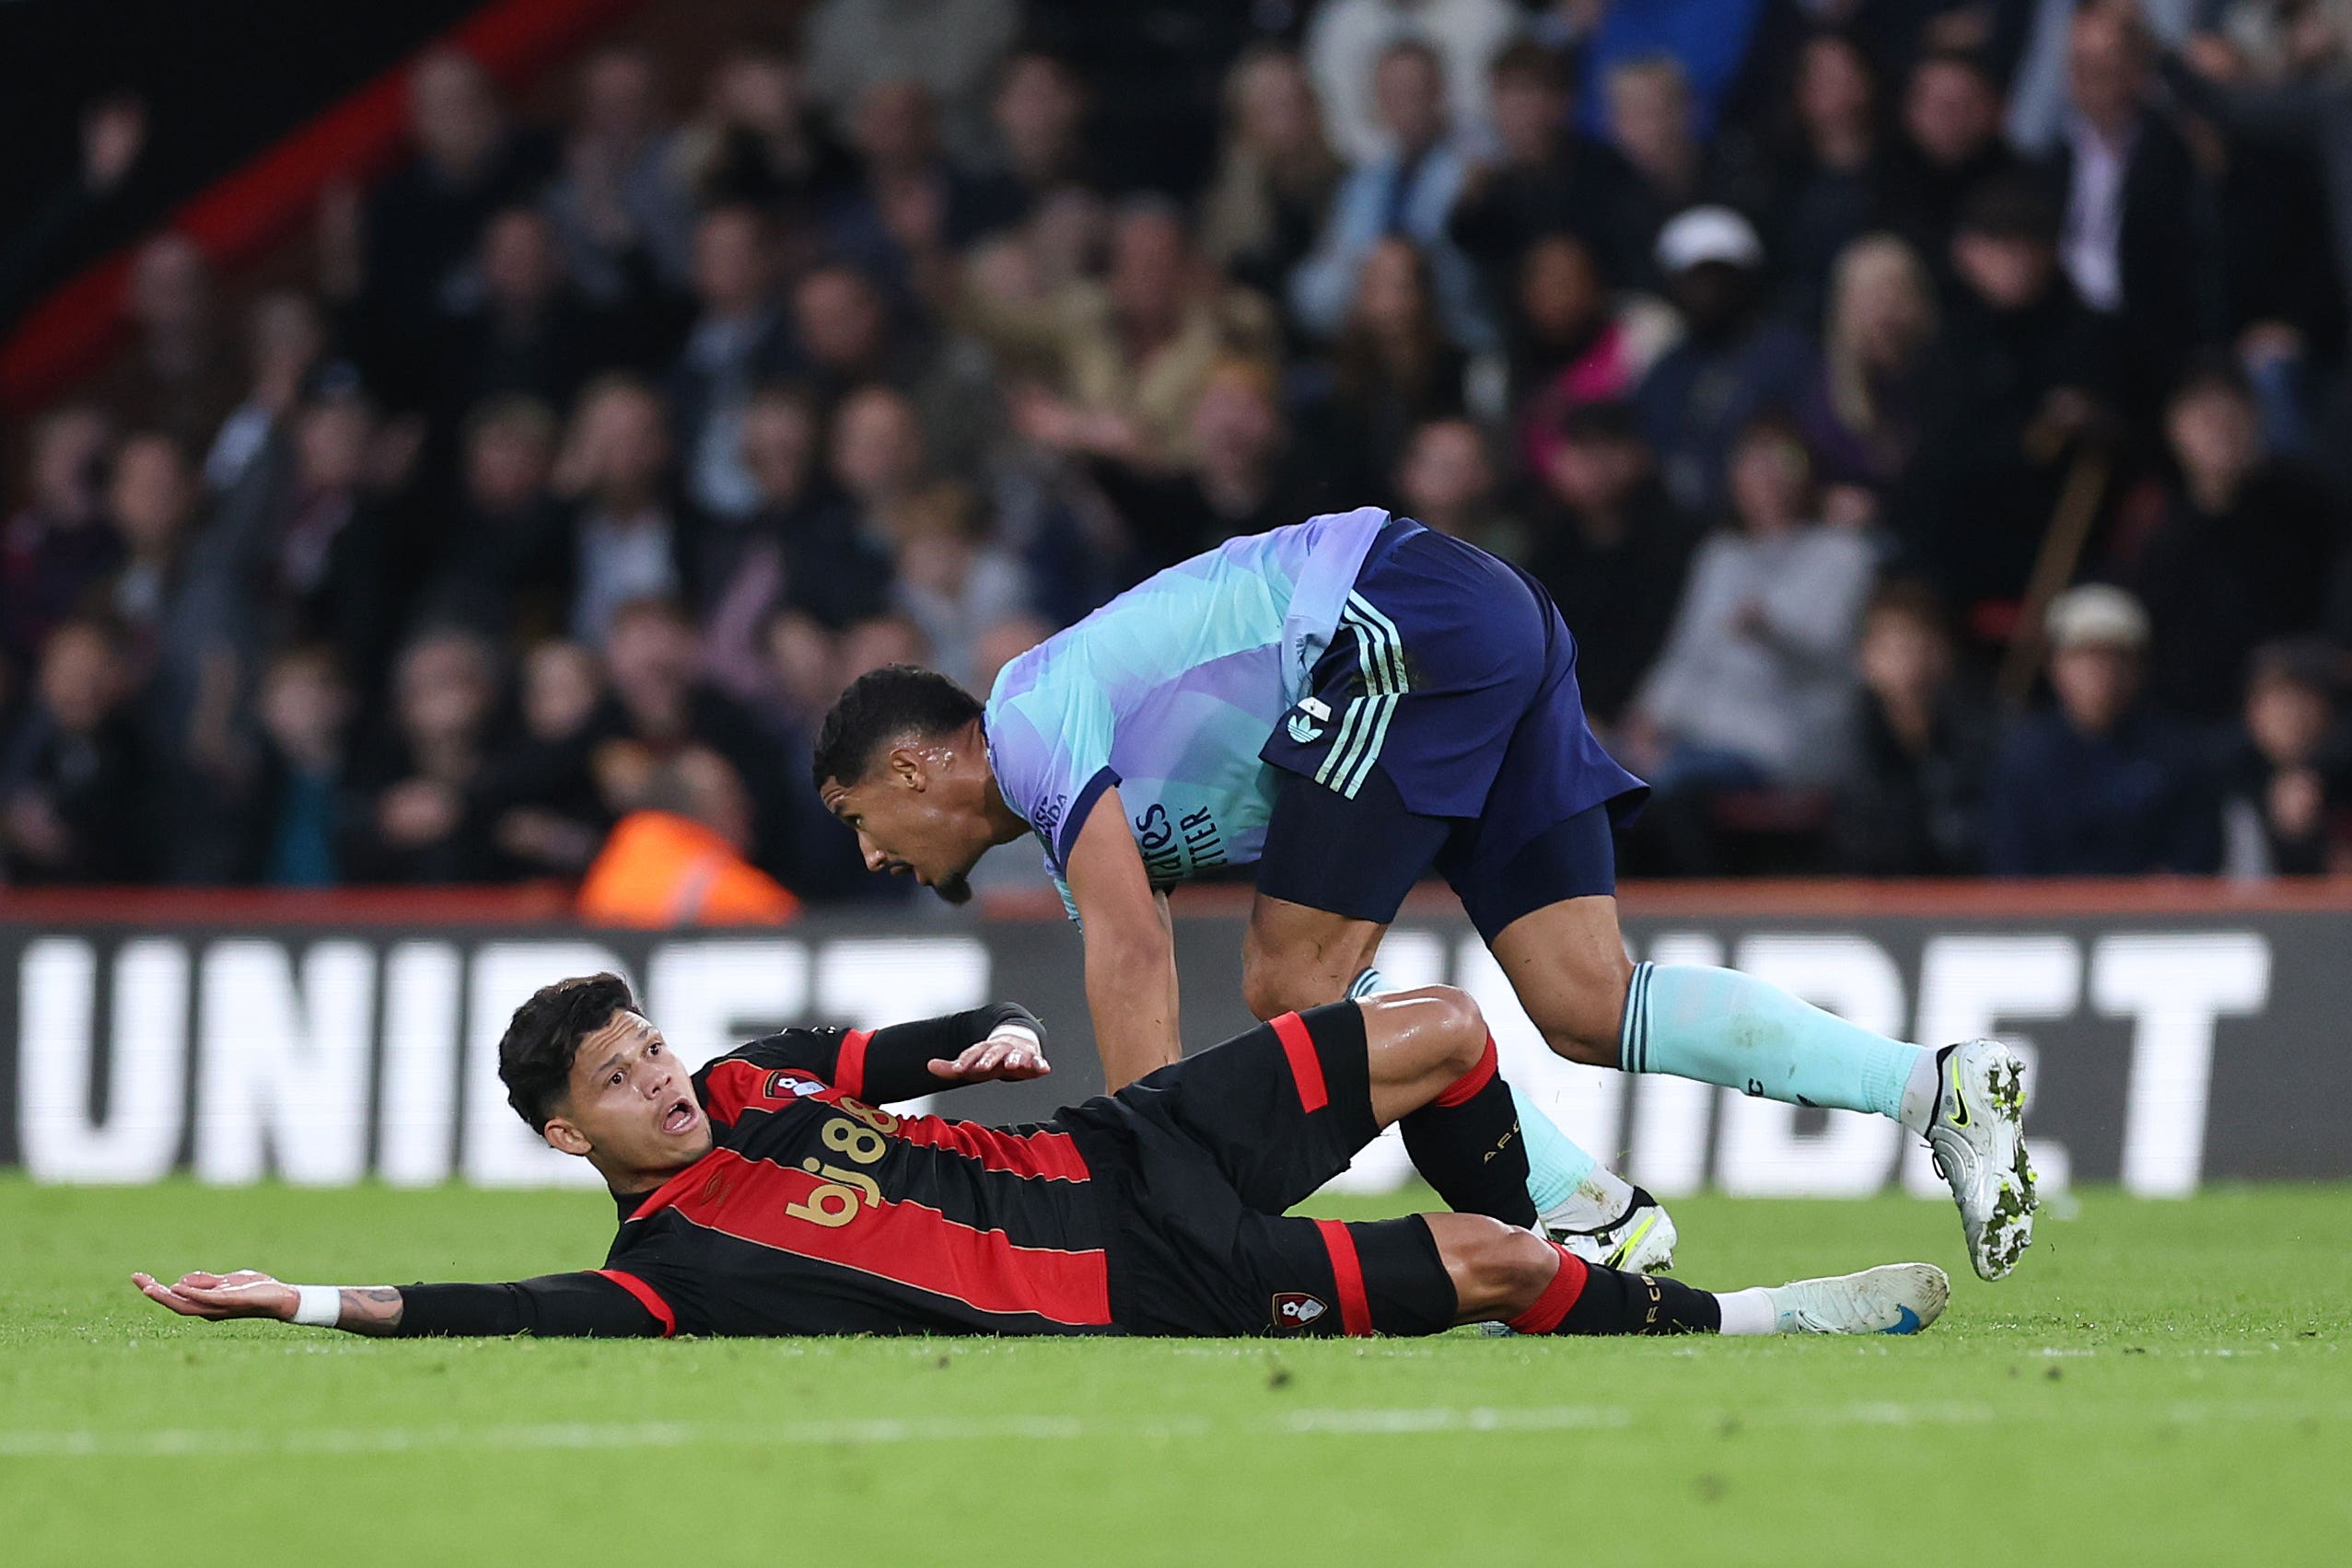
x,y
1467,1143
1614,1302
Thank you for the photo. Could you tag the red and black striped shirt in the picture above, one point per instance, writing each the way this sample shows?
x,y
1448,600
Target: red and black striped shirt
x,y
816,1212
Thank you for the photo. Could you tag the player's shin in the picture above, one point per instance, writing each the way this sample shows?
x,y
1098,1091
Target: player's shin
x,y
1467,1143
1721,1027
1585,1298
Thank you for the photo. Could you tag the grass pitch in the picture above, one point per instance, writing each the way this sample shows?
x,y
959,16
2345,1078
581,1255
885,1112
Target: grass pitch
x,y
2160,1383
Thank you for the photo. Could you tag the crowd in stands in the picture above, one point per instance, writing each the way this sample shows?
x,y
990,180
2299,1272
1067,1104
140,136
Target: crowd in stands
x,y
1932,420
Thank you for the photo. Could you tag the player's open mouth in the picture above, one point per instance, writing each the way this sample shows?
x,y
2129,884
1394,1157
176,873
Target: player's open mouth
x,y
681,1117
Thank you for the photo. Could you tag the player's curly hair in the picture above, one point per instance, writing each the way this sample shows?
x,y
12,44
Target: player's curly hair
x,y
883,705
535,1053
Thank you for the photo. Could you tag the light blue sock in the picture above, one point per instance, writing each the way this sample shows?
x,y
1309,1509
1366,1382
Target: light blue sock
x,y
1722,1026
1555,1167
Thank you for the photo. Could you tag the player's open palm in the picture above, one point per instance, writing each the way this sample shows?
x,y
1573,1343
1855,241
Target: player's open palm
x,y
1008,1056
245,1293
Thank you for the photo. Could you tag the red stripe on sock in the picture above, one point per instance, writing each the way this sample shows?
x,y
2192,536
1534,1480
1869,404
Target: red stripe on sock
x,y
1347,1272
1470,1083
1306,1067
1545,1316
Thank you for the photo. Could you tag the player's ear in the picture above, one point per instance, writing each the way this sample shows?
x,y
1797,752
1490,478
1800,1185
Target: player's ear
x,y
909,767
564,1138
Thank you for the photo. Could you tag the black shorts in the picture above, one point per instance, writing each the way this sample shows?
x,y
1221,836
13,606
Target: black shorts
x,y
1197,1162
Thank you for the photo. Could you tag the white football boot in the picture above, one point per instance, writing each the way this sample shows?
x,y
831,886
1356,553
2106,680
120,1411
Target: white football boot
x,y
1894,1298
1639,1241
1977,1139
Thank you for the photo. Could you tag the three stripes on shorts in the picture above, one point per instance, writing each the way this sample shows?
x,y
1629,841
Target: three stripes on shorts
x,y
1379,650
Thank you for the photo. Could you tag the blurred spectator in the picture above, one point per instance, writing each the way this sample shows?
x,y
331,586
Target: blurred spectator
x,y
847,335
284,340
58,543
1238,480
150,502
1651,125
2103,784
1862,410
1913,804
525,329
1391,368
2040,83
2138,210
1275,176
1546,181
1734,362
1755,685
1705,40
1826,190
659,705
71,776
631,535
2240,556
1572,343
538,796
83,214
1039,113
620,205
952,582
413,813
911,204
1129,354
1612,549
677,859
175,377
505,563
2303,106
949,46
1951,144
1446,479
1347,39
296,815
2287,780
2017,378
877,462
1408,191
801,551
740,337
316,553
757,142
409,256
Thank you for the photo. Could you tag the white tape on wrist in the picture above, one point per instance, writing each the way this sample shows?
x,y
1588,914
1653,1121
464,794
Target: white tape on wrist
x,y
320,1306
1022,1032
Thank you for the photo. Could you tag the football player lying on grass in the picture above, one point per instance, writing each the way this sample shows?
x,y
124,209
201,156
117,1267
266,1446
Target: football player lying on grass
x,y
766,1195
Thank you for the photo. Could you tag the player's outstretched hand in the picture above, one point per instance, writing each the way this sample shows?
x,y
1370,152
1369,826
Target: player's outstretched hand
x,y
1006,1056
244,1294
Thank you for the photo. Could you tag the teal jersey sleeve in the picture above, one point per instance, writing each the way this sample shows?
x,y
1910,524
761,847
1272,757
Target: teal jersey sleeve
x,y
1049,749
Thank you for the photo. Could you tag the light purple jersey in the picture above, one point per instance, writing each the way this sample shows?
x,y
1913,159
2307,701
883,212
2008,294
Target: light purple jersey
x,y
1169,691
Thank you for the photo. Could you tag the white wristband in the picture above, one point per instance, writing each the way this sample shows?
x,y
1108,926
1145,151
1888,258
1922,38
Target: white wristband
x,y
320,1306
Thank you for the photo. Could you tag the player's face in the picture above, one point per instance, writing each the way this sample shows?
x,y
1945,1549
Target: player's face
x,y
907,831
632,1102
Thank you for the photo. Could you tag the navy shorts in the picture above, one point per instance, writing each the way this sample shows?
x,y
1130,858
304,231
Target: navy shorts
x,y
1443,727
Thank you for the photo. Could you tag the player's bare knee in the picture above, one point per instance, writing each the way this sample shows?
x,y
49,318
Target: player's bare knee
x,y
1440,1028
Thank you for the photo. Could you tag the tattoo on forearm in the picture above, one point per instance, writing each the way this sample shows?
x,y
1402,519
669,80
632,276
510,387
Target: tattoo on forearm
x,y
369,1309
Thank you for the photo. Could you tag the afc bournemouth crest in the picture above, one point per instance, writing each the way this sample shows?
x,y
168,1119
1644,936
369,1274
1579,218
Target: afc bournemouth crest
x,y
1293,1310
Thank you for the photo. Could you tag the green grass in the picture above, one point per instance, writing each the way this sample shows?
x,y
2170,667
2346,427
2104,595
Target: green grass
x,y
2161,1383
